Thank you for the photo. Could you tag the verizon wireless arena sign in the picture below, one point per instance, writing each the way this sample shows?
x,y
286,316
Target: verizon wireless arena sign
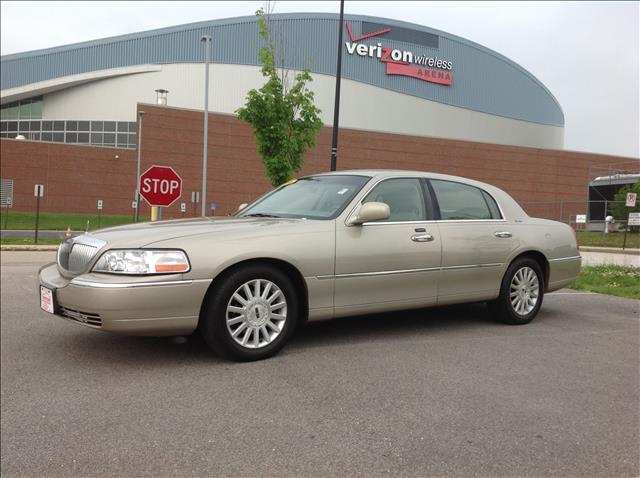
x,y
401,62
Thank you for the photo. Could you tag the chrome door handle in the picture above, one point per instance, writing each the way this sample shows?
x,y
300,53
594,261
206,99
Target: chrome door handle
x,y
422,238
503,234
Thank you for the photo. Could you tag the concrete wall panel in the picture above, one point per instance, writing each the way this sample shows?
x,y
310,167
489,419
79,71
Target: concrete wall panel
x,y
363,106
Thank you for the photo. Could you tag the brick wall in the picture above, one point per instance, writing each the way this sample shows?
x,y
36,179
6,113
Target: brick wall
x,y
76,176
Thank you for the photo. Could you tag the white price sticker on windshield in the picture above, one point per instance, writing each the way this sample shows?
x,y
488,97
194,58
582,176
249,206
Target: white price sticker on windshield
x,y
343,190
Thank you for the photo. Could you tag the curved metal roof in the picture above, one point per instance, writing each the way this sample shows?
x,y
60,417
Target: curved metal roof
x,y
483,80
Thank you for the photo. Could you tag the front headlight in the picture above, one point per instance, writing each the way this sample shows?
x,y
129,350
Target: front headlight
x,y
142,261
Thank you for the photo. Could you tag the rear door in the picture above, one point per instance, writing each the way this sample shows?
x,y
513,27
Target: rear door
x,y
476,241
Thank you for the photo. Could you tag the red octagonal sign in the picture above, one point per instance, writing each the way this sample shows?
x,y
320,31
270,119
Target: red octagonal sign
x,y
160,186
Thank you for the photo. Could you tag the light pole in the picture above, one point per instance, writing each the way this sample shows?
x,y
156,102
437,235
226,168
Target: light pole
x,y
336,106
205,140
137,198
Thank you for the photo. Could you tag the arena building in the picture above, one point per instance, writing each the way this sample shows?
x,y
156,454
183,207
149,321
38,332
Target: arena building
x,y
412,96
397,78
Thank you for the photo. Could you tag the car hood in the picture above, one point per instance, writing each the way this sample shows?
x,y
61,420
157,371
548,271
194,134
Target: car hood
x,y
148,233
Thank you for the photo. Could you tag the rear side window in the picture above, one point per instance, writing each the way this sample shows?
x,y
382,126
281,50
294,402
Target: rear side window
x,y
459,201
493,206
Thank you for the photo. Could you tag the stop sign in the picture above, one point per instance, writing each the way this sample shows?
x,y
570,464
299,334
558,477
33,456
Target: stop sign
x,y
160,186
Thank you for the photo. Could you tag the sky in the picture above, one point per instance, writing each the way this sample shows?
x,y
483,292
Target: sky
x,y
586,53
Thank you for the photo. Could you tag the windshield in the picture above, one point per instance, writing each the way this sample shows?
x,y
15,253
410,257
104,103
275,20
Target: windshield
x,y
314,197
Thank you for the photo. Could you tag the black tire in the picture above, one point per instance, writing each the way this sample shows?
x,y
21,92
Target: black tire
x,y
213,321
502,308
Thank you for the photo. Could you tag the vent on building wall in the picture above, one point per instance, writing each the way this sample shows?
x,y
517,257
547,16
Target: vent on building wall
x,y
161,97
6,193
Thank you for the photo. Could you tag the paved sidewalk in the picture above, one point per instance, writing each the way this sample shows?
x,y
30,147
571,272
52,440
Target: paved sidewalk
x,y
612,250
592,258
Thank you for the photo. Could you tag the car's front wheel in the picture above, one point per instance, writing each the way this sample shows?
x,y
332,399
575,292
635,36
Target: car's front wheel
x,y
521,293
251,313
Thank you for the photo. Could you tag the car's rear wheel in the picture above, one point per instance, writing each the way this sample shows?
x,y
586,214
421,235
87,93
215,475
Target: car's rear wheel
x,y
251,313
521,293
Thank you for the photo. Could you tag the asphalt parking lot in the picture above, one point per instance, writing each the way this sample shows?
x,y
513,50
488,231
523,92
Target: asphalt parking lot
x,y
439,392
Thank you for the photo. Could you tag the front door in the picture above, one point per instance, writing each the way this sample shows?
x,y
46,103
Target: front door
x,y
390,264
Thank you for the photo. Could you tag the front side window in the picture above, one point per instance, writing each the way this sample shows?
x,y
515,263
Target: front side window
x,y
314,197
403,196
458,201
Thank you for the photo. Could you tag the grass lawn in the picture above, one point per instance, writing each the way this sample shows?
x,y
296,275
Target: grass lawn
x,y
60,221
600,239
28,241
613,280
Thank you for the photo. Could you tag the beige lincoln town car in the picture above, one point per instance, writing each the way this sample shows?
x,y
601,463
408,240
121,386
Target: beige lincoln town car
x,y
320,247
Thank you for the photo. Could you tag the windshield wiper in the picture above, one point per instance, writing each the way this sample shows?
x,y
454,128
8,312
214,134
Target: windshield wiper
x,y
259,214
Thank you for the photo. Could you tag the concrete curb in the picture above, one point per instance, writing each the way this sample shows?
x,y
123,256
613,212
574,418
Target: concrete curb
x,y
611,250
19,247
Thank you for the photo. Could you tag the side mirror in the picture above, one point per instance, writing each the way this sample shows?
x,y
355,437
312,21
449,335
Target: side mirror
x,y
242,206
370,212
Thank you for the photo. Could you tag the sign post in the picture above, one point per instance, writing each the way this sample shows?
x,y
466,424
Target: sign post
x,y
160,186
134,208
38,192
630,202
195,199
8,204
633,220
99,211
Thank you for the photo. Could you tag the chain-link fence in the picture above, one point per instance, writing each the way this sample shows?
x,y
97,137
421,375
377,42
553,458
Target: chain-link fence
x,y
566,211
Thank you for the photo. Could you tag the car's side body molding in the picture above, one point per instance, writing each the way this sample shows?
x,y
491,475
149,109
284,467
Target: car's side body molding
x,y
408,271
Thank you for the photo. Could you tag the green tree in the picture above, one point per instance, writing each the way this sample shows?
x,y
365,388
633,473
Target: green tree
x,y
285,121
621,212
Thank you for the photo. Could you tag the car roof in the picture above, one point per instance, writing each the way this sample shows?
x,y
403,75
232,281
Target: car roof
x,y
507,204
389,173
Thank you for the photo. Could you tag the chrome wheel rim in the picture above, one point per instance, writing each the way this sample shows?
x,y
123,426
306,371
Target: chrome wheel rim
x,y
524,290
256,313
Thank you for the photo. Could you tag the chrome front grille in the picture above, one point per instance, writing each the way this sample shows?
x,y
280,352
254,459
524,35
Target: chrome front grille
x,y
80,256
85,318
74,254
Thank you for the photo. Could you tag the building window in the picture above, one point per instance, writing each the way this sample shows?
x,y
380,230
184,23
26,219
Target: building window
x,y
23,109
121,134
96,138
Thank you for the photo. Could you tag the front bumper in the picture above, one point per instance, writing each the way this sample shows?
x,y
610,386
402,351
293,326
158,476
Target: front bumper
x,y
153,305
